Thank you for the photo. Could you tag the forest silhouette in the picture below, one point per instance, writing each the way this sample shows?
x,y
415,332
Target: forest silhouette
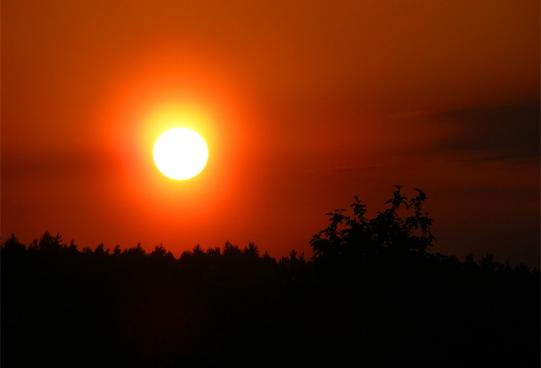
x,y
373,293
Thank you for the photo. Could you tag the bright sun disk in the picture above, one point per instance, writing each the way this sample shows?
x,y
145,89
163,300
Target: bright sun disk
x,y
180,153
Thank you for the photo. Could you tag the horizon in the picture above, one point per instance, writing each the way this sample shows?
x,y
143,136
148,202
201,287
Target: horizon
x,y
209,248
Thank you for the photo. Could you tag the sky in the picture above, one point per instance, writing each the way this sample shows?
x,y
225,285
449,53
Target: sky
x,y
303,104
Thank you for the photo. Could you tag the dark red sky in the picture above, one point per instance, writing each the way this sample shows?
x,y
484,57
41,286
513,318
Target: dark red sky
x,y
311,103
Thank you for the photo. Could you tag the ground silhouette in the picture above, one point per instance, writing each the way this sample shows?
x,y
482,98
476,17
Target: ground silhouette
x,y
373,293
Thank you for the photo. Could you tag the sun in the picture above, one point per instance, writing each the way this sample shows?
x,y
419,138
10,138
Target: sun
x,y
180,153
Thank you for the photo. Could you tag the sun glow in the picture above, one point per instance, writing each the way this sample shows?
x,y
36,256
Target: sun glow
x,y
180,153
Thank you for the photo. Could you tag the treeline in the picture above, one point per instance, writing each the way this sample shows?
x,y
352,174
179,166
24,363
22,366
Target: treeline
x,y
373,292
53,246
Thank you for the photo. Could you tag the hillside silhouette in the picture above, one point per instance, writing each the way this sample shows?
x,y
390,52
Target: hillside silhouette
x,y
373,293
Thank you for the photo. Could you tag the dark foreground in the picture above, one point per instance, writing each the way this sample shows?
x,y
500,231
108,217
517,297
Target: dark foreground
x,y
371,296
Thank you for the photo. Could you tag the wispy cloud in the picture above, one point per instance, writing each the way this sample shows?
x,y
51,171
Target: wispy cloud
x,y
510,132
500,132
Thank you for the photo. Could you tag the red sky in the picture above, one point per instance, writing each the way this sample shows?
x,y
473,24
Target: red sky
x,y
309,103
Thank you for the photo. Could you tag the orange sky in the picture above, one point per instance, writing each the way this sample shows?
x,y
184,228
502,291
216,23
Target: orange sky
x,y
308,103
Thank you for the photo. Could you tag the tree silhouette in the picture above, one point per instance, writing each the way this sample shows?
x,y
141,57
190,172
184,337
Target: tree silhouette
x,y
402,227
372,293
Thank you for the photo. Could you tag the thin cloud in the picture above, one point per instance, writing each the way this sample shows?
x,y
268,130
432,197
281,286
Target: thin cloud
x,y
510,132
